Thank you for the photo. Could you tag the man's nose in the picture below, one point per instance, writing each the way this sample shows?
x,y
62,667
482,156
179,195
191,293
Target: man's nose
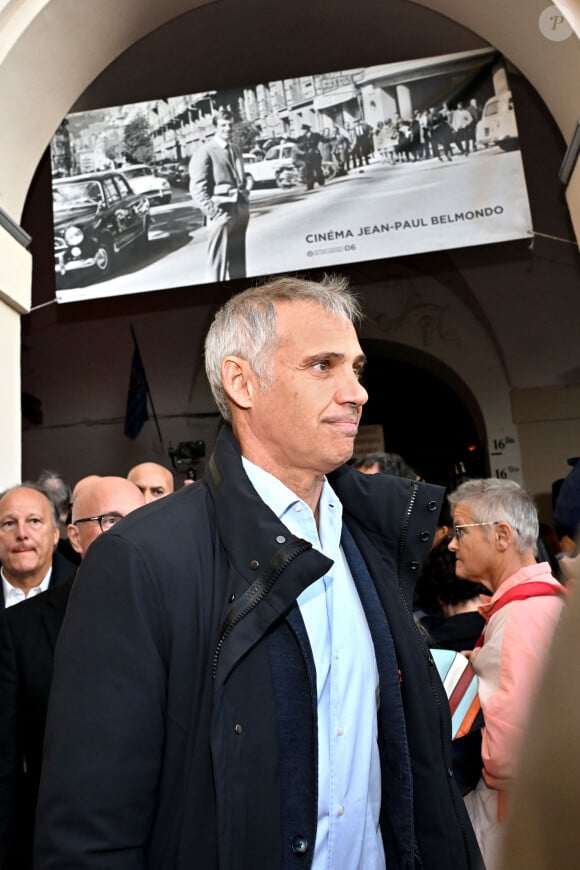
x,y
21,529
352,391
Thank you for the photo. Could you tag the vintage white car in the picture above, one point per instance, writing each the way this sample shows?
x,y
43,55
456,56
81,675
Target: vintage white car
x,y
498,123
142,179
279,167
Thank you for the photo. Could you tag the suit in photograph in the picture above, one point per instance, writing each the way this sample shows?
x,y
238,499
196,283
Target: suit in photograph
x,y
217,188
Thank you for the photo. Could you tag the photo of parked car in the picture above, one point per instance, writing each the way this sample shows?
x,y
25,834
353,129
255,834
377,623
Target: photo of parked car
x,y
498,123
279,168
95,216
181,175
143,179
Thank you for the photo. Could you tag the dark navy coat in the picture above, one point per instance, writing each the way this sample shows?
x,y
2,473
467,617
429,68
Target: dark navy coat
x,y
182,723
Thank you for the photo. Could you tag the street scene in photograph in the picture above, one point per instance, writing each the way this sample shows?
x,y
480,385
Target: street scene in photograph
x,y
311,172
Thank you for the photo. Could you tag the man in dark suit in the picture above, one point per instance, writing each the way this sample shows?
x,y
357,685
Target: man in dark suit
x,y
28,635
218,188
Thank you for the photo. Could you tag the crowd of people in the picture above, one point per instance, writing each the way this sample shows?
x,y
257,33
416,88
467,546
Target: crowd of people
x,y
436,132
45,530
241,674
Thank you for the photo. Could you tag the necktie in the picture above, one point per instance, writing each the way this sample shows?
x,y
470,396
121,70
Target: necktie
x,y
234,166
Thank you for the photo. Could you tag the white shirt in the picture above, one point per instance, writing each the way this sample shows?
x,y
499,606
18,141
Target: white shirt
x,y
349,775
13,595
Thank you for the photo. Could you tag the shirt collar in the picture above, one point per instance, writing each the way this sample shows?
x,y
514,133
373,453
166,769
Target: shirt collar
x,y
14,594
271,490
280,499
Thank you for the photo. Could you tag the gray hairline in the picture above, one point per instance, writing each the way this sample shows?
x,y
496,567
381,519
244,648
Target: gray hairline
x,y
487,499
246,325
31,485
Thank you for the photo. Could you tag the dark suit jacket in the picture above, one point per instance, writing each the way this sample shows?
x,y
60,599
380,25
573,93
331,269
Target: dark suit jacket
x,y
28,634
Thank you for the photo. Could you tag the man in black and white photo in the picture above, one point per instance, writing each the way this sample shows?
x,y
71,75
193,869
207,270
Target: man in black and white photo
x,y
309,143
217,188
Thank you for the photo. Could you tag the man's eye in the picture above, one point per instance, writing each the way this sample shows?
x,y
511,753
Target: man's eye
x,y
321,366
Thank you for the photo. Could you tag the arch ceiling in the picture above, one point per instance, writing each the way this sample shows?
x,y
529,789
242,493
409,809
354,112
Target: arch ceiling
x,y
51,50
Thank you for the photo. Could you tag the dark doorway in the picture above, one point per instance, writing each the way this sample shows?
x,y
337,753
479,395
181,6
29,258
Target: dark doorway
x,y
423,419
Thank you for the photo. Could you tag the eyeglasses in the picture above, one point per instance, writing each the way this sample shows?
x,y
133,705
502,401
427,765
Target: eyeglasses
x,y
459,533
105,521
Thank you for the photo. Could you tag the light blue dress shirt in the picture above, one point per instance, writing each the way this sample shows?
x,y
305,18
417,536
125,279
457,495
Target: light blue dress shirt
x,y
349,776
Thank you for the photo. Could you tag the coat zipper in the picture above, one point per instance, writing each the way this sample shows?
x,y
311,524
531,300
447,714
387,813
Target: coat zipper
x,y
430,660
406,521
256,593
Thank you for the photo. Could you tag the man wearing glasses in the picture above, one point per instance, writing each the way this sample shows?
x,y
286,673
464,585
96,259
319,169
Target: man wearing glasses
x,y
28,634
495,528
97,506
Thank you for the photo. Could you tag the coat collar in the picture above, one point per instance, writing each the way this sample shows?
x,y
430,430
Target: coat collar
x,y
262,553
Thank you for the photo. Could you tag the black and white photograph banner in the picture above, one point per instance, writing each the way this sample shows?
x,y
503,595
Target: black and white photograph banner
x,y
315,171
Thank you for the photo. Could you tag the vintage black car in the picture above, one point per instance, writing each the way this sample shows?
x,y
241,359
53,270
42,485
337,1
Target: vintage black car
x,y
95,216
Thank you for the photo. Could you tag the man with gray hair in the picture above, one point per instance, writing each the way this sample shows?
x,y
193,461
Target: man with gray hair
x,y
495,528
250,690
29,531
53,484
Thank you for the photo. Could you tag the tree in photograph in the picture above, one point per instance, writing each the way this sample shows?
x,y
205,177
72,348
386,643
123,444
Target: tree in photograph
x,y
138,143
244,135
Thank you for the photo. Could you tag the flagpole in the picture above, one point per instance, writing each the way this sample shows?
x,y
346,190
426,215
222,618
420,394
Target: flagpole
x,y
136,343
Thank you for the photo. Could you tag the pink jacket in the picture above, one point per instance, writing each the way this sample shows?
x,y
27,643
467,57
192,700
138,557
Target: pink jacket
x,y
509,664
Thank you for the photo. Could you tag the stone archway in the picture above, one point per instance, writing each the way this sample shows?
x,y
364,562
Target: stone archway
x,y
428,416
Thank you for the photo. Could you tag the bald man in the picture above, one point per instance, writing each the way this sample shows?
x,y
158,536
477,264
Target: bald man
x,y
28,634
154,480
98,504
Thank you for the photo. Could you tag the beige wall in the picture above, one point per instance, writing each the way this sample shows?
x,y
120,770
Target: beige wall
x,y
10,454
15,277
548,422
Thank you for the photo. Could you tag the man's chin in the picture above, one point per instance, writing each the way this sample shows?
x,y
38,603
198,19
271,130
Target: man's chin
x,y
338,459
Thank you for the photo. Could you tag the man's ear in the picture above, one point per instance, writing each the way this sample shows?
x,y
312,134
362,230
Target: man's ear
x,y
239,381
73,536
504,535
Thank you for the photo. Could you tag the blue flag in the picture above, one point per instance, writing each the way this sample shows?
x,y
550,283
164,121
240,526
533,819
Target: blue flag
x,y
136,413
